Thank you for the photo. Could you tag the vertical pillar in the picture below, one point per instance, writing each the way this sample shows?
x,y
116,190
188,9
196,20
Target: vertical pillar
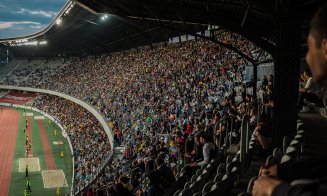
x,y
255,80
7,56
286,80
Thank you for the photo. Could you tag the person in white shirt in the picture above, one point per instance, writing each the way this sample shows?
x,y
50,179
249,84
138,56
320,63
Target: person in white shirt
x,y
208,151
309,91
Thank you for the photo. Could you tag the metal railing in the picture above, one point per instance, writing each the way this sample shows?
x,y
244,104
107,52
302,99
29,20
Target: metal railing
x,y
246,132
78,189
229,121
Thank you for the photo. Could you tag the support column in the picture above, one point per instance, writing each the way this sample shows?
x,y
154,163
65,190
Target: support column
x,y
286,80
255,80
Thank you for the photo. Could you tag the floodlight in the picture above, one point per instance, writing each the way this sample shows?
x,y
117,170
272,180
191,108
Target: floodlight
x,y
58,21
43,42
104,16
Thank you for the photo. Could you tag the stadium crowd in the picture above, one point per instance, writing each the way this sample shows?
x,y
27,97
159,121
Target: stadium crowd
x,y
163,105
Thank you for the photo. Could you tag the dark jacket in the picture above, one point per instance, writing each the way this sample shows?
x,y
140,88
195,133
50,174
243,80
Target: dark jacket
x,y
166,176
308,169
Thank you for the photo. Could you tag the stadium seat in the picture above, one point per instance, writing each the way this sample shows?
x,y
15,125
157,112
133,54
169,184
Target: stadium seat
x,y
271,160
197,186
232,179
285,144
298,137
285,159
221,168
177,193
299,126
186,192
187,185
218,177
250,184
207,187
198,172
278,154
300,132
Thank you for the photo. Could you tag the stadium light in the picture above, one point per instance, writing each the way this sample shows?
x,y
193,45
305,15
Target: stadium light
x,y
43,42
58,21
104,17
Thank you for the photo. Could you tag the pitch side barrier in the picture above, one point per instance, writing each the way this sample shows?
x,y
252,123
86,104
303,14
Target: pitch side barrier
x,y
63,131
89,108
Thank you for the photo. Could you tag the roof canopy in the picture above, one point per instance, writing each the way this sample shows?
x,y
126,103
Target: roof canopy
x,y
132,23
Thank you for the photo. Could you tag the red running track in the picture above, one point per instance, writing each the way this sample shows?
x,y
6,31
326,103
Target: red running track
x,y
46,147
9,122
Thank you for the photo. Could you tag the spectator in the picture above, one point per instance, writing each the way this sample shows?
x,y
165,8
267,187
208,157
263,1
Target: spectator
x,y
155,188
270,182
264,82
274,180
308,92
154,100
263,132
208,151
166,175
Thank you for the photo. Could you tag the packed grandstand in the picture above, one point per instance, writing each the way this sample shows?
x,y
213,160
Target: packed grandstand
x,y
154,101
185,117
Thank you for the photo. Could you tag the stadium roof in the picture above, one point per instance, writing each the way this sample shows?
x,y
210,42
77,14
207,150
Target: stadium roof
x,y
131,23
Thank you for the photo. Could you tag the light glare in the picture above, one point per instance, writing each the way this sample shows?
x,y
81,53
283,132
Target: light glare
x,y
58,21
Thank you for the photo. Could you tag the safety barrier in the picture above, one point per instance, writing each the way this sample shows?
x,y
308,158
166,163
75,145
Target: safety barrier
x,y
229,121
246,132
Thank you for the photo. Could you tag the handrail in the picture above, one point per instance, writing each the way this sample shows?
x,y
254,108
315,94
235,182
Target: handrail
x,y
244,143
260,109
78,189
230,119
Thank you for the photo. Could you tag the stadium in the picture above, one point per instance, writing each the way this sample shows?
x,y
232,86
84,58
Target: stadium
x,y
162,97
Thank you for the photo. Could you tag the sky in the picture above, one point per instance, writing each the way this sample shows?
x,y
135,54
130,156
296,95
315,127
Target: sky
x,y
24,17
